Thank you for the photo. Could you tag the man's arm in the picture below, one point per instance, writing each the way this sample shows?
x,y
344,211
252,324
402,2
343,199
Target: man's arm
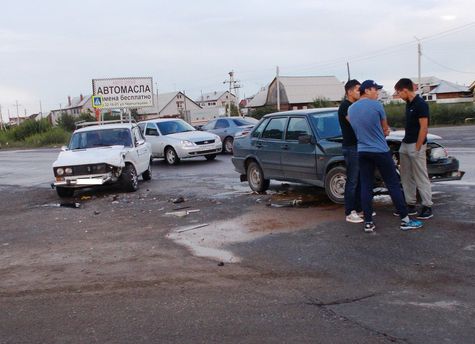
x,y
385,126
424,123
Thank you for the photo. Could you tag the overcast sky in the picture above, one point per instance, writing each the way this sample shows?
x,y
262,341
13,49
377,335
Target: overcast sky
x,y
50,49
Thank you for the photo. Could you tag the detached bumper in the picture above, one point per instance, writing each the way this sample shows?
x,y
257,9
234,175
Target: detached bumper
x,y
445,170
83,181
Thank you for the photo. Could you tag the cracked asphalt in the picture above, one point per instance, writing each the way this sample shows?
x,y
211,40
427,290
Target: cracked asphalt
x,y
108,273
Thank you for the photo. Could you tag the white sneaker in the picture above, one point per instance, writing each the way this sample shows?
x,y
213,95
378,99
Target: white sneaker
x,y
361,214
354,218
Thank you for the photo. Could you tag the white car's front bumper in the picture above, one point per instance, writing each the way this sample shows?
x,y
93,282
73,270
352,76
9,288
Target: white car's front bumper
x,y
83,181
189,152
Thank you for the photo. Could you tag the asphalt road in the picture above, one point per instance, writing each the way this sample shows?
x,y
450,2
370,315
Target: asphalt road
x,y
109,272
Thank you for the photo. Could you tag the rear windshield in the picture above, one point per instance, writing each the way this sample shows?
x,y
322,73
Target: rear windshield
x,y
241,122
326,124
100,138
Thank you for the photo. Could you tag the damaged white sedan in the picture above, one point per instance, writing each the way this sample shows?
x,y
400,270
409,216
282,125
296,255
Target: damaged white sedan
x,y
103,154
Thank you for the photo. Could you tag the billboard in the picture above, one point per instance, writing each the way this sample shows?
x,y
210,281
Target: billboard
x,y
116,93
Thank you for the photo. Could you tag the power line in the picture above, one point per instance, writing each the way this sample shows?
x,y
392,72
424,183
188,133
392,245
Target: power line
x,y
446,67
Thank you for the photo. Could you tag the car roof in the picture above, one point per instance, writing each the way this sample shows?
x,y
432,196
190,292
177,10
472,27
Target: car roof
x,y
161,120
302,112
106,126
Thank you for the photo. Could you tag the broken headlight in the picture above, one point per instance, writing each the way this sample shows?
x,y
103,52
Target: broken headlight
x,y
438,153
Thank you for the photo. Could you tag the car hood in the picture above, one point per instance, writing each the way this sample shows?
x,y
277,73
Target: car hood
x,y
193,136
398,135
112,155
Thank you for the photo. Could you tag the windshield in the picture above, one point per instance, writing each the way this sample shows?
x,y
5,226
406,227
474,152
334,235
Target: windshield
x,y
326,124
100,138
241,122
173,127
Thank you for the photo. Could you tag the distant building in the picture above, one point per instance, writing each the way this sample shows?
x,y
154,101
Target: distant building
x,y
216,99
172,104
441,91
74,107
299,92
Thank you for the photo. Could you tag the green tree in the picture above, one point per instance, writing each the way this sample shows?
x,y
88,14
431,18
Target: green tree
x,y
322,103
261,112
234,110
67,122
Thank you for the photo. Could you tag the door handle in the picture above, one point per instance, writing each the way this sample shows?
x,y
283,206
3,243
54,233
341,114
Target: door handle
x,y
259,145
285,147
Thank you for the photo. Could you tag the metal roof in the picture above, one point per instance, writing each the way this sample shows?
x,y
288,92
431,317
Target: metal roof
x,y
259,99
211,96
308,88
449,87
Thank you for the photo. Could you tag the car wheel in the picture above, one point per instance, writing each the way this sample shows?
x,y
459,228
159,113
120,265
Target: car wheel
x,y
228,145
129,178
64,192
335,182
171,157
147,175
255,178
210,157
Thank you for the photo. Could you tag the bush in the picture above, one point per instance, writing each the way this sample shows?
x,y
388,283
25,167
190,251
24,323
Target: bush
x,y
54,136
440,114
322,103
261,112
67,122
28,128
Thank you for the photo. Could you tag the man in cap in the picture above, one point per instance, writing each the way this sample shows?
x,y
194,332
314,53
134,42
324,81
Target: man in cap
x,y
368,120
350,153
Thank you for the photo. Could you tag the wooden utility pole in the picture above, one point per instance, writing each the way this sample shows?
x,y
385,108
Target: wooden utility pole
x,y
278,87
17,112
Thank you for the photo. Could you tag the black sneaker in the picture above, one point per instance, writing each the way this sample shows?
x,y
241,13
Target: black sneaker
x,y
411,210
425,213
369,227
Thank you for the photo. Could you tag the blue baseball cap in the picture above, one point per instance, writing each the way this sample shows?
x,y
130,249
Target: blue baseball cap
x,y
369,84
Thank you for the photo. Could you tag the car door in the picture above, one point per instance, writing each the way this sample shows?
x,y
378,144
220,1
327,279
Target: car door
x,y
269,147
209,127
153,136
221,128
142,150
299,160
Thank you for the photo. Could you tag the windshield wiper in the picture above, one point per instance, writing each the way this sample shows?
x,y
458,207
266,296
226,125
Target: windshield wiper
x,y
334,138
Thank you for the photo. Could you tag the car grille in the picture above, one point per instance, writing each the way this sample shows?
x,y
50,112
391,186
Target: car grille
x,y
89,169
205,142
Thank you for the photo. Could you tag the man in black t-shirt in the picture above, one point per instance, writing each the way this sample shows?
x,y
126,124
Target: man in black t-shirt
x,y
412,153
350,153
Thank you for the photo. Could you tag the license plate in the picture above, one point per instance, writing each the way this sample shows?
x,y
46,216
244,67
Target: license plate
x,y
89,181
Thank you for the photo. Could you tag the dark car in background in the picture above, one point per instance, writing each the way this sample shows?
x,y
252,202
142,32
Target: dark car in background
x,y
229,127
304,146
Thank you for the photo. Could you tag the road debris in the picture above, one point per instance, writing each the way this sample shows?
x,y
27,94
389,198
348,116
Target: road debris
x,y
180,199
182,213
187,229
220,264
63,205
84,198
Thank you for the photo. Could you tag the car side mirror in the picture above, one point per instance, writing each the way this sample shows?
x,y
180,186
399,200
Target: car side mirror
x,y
140,142
64,148
305,139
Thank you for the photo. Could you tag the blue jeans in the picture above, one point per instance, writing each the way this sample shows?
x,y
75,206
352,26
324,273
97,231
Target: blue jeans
x,y
385,164
352,186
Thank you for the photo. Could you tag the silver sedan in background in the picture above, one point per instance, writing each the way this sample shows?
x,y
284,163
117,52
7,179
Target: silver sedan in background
x,y
228,127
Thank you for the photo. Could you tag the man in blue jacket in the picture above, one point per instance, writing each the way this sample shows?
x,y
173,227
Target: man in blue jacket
x,y
368,120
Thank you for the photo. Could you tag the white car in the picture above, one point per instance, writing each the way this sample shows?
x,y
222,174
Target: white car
x,y
174,139
103,154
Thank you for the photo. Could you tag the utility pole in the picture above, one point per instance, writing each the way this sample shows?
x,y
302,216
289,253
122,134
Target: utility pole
x,y
278,87
156,93
17,113
1,118
419,54
41,111
233,85
348,70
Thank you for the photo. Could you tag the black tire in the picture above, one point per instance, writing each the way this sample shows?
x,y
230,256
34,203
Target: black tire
x,y
228,145
255,178
64,192
129,178
171,157
335,181
147,175
210,157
